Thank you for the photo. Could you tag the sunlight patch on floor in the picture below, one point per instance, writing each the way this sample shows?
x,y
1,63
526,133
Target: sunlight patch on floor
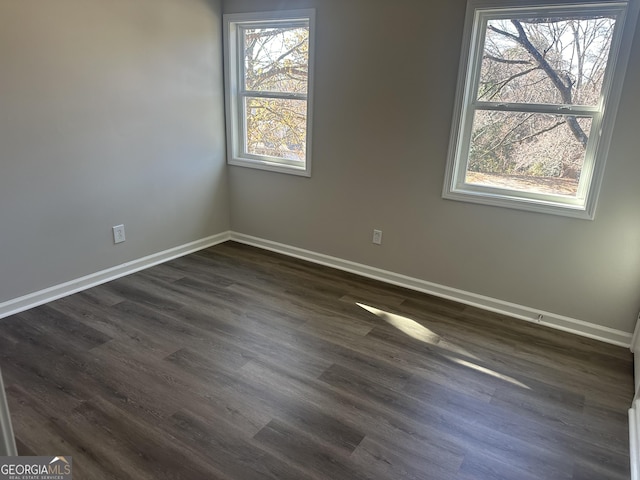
x,y
405,325
420,332
415,330
488,371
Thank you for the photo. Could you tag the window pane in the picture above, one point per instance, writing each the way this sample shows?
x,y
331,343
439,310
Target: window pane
x,y
276,127
545,60
528,152
276,59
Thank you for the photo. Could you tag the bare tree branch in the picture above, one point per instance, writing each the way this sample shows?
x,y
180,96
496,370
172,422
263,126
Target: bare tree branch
x,y
504,60
259,78
504,33
544,130
504,83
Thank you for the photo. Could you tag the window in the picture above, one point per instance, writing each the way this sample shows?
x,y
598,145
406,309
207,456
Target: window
x,y
269,64
537,96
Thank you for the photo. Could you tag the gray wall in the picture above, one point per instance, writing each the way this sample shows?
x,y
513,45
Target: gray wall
x,y
385,84
111,111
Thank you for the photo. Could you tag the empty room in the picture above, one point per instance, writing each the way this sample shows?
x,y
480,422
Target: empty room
x,y
319,239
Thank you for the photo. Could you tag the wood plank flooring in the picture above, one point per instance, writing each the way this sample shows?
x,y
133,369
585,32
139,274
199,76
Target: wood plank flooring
x,y
236,363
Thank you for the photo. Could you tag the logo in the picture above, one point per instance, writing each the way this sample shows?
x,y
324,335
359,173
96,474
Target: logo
x,y
35,468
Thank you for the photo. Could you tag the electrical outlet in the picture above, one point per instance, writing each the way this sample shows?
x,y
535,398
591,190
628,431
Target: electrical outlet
x,y
377,237
118,234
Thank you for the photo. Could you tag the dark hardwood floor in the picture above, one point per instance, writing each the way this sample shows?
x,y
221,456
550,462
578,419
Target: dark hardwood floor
x,y
236,363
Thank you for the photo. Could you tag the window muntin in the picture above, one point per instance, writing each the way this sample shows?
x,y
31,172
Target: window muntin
x,y
536,81
269,81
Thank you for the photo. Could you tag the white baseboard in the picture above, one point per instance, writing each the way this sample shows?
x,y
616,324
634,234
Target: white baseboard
x,y
634,412
635,341
567,324
635,348
34,299
7,439
634,440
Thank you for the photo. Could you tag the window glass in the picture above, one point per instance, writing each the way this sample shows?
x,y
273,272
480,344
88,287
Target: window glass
x,y
276,59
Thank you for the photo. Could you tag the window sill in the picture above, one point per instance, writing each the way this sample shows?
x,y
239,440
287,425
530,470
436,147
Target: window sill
x,y
271,166
518,203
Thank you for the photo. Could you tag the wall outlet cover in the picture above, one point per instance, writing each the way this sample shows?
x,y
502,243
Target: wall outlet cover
x,y
118,234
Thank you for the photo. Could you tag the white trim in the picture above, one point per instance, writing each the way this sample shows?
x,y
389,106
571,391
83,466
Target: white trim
x,y
235,92
635,341
559,322
635,349
7,439
583,205
634,414
634,440
55,292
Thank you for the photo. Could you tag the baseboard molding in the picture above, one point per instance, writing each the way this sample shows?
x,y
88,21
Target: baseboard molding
x,y
634,440
567,324
635,348
634,413
55,292
7,439
635,341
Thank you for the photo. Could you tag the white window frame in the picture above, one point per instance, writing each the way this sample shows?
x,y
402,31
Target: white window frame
x,y
584,204
235,93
